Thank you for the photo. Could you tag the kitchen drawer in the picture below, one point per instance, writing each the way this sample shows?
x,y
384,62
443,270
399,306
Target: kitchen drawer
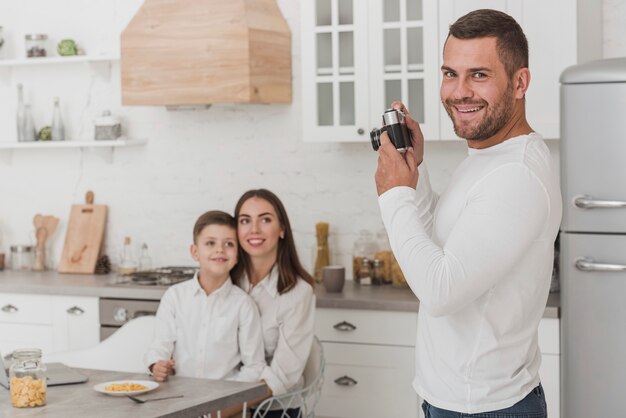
x,y
377,382
549,336
25,309
13,336
366,326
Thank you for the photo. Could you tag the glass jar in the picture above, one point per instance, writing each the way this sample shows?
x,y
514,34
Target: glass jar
x,y
384,254
378,272
27,376
36,45
364,247
364,276
397,277
21,257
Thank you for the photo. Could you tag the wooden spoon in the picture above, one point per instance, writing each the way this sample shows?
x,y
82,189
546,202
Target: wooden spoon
x,y
40,256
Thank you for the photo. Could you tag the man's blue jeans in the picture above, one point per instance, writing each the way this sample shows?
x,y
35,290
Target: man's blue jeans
x,y
532,406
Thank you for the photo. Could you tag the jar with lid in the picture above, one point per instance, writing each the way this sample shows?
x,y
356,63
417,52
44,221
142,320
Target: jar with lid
x,y
107,127
36,45
378,272
22,257
384,254
27,376
364,275
364,247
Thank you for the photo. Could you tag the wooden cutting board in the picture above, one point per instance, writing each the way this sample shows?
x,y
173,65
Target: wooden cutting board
x,y
85,231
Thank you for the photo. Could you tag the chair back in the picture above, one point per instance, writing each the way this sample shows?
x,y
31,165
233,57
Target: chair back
x,y
123,351
306,398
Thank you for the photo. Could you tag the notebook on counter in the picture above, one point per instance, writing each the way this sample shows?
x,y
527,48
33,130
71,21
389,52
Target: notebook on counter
x,y
56,374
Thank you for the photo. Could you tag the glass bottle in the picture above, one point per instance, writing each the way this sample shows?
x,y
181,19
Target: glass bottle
x,y
127,261
364,247
30,133
378,272
21,112
145,262
27,376
57,128
364,276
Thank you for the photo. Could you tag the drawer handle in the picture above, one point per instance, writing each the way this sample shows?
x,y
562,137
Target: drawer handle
x,y
588,264
345,381
344,326
75,310
9,308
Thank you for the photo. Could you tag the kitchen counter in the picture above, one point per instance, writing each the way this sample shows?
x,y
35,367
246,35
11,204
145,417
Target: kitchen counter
x,y
388,298
354,296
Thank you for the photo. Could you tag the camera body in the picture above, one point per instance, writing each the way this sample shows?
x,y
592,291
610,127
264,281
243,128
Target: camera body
x,y
395,126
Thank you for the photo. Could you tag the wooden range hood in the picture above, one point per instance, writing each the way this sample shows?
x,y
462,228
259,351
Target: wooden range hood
x,y
196,52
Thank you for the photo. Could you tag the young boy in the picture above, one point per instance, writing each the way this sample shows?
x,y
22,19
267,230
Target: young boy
x,y
206,327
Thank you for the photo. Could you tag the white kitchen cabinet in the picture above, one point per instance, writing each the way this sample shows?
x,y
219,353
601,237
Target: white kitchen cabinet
x,y
560,33
52,323
370,363
359,56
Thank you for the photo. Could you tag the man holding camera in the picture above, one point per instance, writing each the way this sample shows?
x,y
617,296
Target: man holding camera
x,y
479,257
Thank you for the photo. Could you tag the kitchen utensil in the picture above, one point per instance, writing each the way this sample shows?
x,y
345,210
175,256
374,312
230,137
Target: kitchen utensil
x,y
85,231
40,250
153,399
322,258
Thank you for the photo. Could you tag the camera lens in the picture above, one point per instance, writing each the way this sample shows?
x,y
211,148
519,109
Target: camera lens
x,y
375,137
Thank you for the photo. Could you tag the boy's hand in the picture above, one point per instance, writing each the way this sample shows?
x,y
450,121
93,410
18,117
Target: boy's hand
x,y
162,369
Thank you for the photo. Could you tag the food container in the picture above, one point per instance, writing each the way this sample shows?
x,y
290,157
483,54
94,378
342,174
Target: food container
x,y
22,257
36,45
27,376
107,127
364,248
1,43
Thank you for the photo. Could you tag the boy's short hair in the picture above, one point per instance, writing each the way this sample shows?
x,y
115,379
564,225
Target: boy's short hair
x,y
213,217
511,43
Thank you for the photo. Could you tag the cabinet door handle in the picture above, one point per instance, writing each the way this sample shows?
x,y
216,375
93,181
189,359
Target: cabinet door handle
x,y
345,381
9,308
75,310
344,326
137,314
588,202
589,264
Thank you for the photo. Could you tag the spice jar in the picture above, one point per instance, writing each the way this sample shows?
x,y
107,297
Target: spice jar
x,y
107,127
36,45
364,277
27,377
364,247
21,257
378,272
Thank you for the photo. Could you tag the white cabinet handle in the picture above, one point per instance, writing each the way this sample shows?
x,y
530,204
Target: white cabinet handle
x,y
9,308
588,202
344,326
75,310
589,264
345,381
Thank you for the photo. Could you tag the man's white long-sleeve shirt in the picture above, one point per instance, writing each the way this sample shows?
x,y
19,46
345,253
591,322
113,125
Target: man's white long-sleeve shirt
x,y
215,336
288,322
479,259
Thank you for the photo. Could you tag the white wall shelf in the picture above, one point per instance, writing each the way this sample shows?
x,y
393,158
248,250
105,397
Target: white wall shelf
x,y
56,60
7,148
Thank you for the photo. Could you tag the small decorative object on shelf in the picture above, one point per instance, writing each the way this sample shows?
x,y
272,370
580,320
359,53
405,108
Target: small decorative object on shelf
x,y
103,265
67,48
107,127
57,128
36,45
30,133
45,134
21,112
145,261
1,43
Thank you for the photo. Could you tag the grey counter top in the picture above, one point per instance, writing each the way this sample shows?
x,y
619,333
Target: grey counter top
x,y
388,298
201,396
354,296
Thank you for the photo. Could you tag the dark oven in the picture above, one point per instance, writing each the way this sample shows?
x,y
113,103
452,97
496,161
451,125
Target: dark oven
x,y
116,312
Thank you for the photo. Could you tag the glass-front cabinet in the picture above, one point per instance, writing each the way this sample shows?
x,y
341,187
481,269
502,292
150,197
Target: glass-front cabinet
x,y
360,55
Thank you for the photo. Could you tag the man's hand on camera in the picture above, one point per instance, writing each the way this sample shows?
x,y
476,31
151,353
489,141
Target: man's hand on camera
x,y
417,138
394,169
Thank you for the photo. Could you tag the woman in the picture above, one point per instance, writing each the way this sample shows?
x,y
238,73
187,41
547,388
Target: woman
x,y
270,271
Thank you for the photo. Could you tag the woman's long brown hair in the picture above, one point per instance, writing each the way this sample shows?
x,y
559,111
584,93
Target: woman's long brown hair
x,y
289,266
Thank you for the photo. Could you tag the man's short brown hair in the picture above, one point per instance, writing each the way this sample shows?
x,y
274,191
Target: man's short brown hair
x,y
511,43
213,217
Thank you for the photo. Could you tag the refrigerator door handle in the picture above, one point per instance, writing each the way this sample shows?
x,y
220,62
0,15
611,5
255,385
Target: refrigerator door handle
x,y
589,264
588,202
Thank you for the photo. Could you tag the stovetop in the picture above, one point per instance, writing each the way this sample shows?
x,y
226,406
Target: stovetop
x,y
163,276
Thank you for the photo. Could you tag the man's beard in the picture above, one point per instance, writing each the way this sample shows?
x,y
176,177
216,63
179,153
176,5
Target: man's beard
x,y
495,118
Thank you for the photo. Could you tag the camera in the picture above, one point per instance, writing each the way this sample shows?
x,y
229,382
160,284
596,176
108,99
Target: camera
x,y
395,126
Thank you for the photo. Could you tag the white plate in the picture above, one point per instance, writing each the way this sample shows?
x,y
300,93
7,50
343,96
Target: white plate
x,y
149,384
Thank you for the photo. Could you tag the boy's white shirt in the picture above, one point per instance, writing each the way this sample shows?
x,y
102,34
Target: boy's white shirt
x,y
215,336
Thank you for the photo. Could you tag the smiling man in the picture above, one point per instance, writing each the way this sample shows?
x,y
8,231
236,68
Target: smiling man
x,y
479,257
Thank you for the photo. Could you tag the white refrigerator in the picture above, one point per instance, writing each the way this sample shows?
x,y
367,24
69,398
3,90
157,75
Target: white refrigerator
x,y
593,240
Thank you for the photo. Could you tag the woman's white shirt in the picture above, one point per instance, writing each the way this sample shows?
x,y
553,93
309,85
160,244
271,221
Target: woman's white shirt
x,y
215,336
288,322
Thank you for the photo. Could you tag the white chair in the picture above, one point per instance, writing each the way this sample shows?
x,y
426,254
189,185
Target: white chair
x,y
122,352
306,398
